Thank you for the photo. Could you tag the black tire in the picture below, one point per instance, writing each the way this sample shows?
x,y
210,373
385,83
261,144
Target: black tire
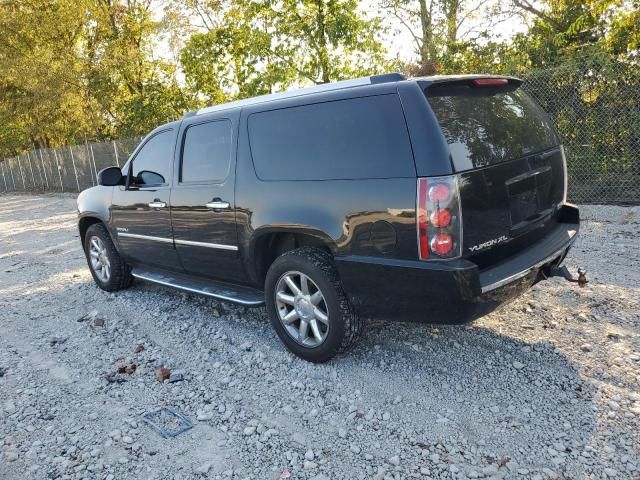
x,y
345,327
120,277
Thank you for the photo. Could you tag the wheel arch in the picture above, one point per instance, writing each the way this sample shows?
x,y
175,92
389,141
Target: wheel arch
x,y
85,221
268,244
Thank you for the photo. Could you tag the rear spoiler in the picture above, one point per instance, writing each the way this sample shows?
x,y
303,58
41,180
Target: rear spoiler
x,y
479,85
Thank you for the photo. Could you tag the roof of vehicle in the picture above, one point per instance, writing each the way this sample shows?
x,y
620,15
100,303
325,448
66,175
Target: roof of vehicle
x,y
299,92
341,85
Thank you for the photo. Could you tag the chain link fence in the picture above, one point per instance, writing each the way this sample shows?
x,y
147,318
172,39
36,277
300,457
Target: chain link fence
x,y
65,169
594,102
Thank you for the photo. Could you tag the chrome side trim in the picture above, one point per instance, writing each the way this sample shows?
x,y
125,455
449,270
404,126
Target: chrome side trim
x,y
145,237
524,273
206,245
195,290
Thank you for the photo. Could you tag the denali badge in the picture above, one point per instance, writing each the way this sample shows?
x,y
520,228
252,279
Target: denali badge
x,y
488,243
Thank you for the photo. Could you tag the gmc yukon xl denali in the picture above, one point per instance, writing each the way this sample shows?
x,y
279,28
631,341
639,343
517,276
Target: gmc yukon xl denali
x,y
431,200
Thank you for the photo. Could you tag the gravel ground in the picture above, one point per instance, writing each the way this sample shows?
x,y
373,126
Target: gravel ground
x,y
548,387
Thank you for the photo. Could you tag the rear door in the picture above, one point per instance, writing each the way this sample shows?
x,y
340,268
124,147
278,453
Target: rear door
x,y
510,161
203,197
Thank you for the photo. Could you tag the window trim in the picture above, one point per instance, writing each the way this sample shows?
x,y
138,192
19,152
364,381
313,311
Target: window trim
x,y
183,139
129,165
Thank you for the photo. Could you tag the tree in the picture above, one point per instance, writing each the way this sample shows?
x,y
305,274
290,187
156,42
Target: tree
x,y
444,29
88,70
262,46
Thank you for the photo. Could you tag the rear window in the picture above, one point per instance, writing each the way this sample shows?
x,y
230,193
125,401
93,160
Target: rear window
x,y
346,139
484,126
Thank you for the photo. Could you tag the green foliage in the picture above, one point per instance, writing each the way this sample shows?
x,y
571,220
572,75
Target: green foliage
x,y
75,69
262,46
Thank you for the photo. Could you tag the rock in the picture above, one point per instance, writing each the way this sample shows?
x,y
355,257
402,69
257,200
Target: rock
x,y
395,460
92,315
162,374
610,472
586,347
138,348
204,416
309,465
490,470
176,377
518,365
98,322
320,476
57,340
11,454
204,468
354,448
248,431
127,440
9,440
342,433
309,455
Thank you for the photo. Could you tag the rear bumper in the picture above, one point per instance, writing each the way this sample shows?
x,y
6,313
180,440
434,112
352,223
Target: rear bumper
x,y
454,291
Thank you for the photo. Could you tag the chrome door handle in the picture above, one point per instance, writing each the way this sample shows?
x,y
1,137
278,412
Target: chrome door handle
x,y
157,204
218,205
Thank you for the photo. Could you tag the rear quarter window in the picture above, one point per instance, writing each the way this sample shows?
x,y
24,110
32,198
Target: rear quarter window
x,y
485,127
346,139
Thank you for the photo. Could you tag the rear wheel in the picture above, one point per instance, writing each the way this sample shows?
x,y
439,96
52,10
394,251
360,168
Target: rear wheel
x,y
107,268
308,307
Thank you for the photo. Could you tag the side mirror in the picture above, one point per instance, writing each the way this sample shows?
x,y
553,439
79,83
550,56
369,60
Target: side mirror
x,y
110,177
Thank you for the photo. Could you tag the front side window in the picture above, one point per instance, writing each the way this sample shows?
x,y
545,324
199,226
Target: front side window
x,y
206,153
345,139
152,164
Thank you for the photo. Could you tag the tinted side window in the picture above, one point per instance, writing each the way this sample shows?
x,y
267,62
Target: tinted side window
x,y
152,164
345,139
206,153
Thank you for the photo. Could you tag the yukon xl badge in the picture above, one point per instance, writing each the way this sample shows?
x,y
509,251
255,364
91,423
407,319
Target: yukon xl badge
x,y
488,243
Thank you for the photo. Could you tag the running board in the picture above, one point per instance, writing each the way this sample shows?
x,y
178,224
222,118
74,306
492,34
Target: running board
x,y
204,286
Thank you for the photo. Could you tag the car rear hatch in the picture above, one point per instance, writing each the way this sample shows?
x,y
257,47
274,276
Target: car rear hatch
x,y
509,160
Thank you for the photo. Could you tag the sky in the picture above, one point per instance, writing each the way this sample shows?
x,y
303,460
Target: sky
x,y
400,43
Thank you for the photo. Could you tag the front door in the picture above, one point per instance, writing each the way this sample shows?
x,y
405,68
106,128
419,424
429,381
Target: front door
x,y
140,211
203,199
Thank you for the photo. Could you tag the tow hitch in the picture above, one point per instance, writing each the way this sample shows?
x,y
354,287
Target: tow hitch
x,y
563,271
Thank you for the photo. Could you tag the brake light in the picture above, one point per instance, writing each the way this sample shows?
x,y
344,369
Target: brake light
x,y
439,222
441,218
490,82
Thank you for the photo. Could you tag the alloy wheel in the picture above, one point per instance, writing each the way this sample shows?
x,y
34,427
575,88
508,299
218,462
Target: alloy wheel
x,y
302,309
99,259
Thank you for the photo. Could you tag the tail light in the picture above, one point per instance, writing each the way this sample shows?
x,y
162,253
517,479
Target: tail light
x,y
439,221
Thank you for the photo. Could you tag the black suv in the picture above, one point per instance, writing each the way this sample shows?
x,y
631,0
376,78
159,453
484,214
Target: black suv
x,y
432,199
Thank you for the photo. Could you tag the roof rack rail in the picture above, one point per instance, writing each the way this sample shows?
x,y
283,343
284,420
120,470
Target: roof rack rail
x,y
324,87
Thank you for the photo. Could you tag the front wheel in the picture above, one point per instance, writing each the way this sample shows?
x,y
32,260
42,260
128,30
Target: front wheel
x,y
308,307
107,268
